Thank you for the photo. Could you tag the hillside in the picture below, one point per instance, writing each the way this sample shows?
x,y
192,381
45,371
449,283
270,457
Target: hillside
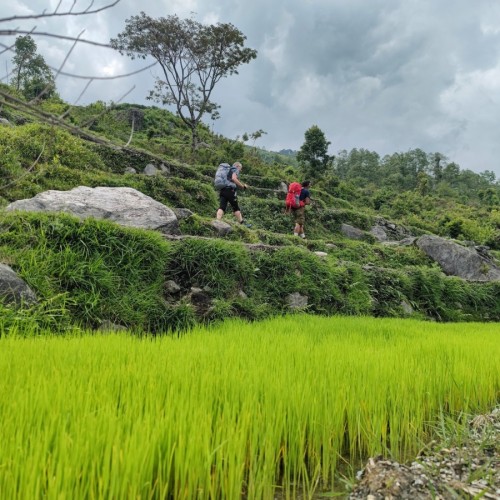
x,y
96,273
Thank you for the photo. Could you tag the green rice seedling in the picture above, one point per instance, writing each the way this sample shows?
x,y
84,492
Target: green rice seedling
x,y
235,410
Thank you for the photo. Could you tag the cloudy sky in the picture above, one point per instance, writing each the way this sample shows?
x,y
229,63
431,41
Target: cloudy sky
x,y
384,75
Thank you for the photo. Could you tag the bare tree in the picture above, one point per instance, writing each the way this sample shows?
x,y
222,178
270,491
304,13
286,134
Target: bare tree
x,y
193,58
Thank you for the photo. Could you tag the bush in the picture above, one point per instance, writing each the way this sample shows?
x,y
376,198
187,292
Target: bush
x,y
99,270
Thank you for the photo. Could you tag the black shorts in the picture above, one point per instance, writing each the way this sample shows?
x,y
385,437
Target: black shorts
x,y
228,195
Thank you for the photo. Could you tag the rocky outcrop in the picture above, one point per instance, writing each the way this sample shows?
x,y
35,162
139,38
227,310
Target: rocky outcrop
x,y
353,232
384,230
456,260
125,206
13,289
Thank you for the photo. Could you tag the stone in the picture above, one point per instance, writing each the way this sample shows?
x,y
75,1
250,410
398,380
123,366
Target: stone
x,y
165,169
130,170
352,232
456,260
182,213
283,188
221,228
171,287
407,308
13,289
297,301
150,169
408,241
323,255
109,326
125,206
4,121
379,233
200,300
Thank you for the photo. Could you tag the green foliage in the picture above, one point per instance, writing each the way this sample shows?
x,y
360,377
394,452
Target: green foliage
x,y
333,218
423,193
31,75
221,266
28,145
289,270
193,57
313,155
98,270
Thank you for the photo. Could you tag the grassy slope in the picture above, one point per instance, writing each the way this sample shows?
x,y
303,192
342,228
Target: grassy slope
x,y
94,271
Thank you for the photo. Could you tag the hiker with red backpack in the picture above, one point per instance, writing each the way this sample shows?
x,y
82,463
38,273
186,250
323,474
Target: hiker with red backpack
x,y
297,198
227,181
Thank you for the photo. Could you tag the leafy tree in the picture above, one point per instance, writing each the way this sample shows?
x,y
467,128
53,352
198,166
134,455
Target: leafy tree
x,y
423,183
313,155
32,76
193,57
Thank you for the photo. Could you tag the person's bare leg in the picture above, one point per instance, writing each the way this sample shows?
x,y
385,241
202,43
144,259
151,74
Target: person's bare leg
x,y
238,216
220,213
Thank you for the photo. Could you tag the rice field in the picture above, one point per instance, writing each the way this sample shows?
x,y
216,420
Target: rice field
x,y
234,411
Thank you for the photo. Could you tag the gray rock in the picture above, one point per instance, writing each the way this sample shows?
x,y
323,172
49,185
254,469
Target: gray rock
x,y
13,289
407,242
352,232
221,228
297,301
130,170
4,121
150,169
200,300
379,233
125,206
109,326
283,188
457,260
407,308
242,295
391,230
182,213
165,169
171,287
323,255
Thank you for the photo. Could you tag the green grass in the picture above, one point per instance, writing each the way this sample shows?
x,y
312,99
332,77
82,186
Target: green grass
x,y
235,410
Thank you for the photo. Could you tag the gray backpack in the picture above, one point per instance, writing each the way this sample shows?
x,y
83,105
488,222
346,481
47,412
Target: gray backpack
x,y
222,177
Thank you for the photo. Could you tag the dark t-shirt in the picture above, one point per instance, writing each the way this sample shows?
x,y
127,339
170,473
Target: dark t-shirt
x,y
304,194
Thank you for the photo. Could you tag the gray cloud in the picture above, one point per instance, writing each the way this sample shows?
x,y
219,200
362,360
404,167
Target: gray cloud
x,y
384,75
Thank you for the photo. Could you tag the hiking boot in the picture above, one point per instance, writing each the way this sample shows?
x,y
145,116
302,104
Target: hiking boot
x,y
303,236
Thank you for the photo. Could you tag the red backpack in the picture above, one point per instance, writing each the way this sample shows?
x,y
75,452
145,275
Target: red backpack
x,y
293,197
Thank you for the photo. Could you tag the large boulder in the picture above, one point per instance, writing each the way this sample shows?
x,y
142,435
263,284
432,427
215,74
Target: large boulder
x,y
352,232
125,206
13,289
457,260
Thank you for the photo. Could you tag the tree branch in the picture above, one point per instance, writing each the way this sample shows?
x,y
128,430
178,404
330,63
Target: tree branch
x,y
62,14
14,32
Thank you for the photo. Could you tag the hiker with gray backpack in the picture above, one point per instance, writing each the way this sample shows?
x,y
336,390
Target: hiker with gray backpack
x,y
227,181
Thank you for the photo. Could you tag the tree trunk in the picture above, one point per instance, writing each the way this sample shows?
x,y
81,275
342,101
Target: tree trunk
x,y
194,138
